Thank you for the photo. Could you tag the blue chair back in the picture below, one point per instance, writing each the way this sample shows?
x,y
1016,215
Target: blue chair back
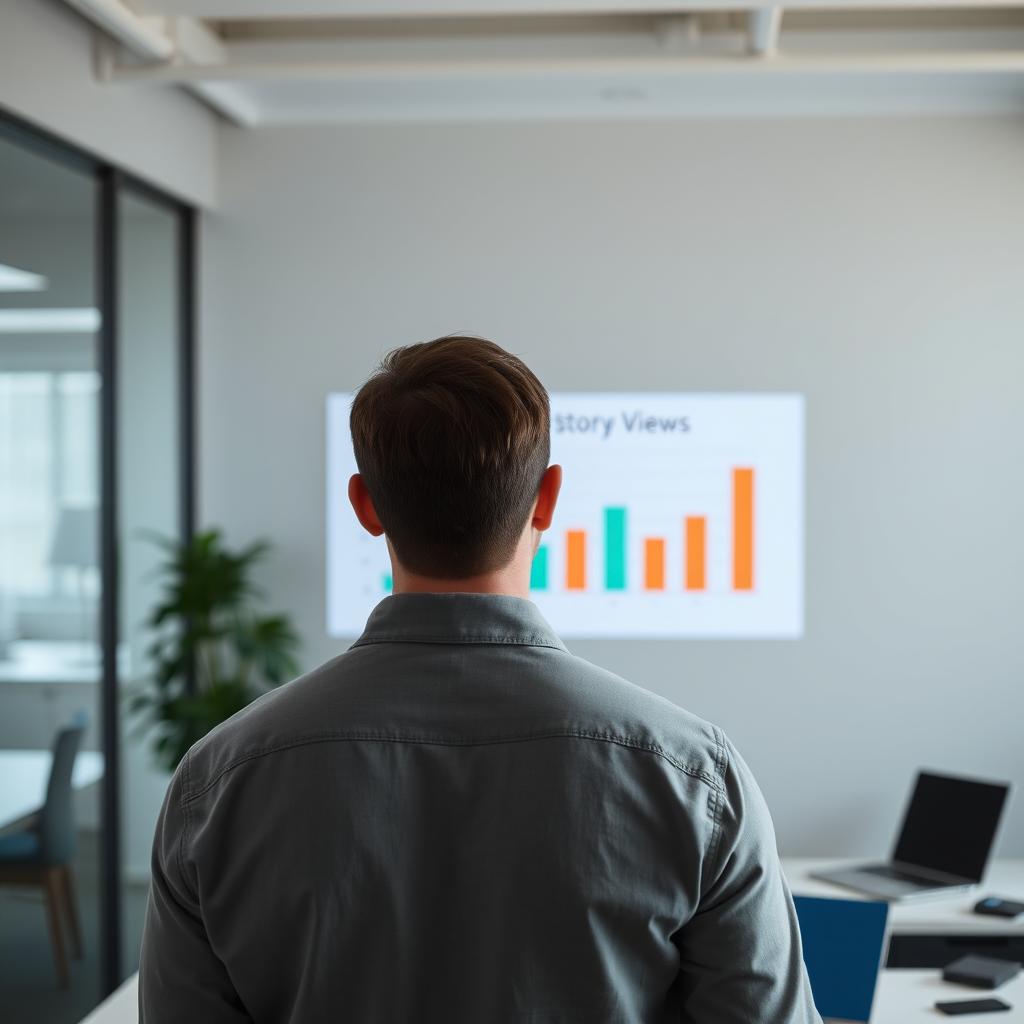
x,y
55,823
843,944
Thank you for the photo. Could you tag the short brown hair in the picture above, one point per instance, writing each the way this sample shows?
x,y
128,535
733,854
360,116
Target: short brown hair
x,y
452,438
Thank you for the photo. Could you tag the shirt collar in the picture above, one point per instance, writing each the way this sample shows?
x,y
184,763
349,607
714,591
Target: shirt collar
x,y
458,619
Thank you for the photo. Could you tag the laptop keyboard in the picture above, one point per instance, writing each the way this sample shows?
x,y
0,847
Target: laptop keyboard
x,y
885,871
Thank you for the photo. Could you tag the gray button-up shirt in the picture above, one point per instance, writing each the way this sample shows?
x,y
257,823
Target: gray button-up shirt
x,y
459,821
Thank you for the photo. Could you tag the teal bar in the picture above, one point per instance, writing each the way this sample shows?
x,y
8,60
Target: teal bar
x,y
387,582
539,569
615,549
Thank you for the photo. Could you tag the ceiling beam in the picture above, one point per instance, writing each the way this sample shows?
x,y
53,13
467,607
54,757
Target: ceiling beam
x,y
962,62
168,41
145,37
253,10
665,43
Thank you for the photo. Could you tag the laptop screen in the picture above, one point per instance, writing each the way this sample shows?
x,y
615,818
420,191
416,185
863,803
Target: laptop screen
x,y
843,942
950,825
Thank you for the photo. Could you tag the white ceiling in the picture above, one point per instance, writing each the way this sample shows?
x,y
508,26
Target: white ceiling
x,y
304,61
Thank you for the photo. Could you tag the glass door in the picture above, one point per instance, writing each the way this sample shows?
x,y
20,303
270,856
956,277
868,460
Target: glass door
x,y
95,462
51,821
151,338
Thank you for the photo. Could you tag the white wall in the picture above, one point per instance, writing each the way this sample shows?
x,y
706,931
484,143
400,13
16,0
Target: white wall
x,y
873,265
47,77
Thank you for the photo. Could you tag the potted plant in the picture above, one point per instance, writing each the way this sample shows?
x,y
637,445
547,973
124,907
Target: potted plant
x,y
213,650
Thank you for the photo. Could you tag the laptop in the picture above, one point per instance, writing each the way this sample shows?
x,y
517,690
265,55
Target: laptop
x,y
944,843
843,943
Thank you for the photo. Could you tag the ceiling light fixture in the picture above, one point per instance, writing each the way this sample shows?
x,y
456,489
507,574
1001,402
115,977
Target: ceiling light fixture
x,y
49,321
14,280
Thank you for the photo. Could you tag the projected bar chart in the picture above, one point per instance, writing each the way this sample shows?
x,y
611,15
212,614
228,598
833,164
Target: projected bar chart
x,y
615,548
539,570
654,563
743,529
696,552
681,514
575,559
654,550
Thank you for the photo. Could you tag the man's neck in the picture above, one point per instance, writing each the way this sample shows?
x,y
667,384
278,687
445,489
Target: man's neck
x,y
512,579
515,584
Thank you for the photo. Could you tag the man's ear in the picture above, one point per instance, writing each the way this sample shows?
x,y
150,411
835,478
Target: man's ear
x,y
362,504
547,497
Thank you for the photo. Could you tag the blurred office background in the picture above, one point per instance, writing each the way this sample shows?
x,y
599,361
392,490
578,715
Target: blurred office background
x,y
819,201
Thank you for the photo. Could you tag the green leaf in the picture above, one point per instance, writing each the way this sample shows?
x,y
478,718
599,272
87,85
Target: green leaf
x,y
206,626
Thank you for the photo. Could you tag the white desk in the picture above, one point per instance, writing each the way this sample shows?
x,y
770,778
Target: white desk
x,y
23,778
50,663
943,915
903,997
43,686
121,1008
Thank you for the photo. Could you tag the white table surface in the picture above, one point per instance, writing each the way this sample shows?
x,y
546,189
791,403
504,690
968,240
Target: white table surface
x,y
44,661
24,774
902,997
940,915
121,1008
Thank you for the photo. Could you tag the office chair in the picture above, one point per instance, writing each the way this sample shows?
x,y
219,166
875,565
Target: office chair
x,y
41,854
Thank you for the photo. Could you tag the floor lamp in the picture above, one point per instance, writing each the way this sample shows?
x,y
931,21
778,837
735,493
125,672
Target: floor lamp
x,y
75,546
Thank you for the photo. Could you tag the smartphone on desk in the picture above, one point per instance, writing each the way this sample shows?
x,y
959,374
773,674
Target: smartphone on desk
x,y
954,1009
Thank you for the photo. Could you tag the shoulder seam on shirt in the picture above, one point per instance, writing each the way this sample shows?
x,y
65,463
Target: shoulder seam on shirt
x,y
186,771
721,764
622,741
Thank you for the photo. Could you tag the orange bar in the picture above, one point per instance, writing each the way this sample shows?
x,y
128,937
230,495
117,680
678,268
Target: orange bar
x,y
743,529
696,552
654,563
575,559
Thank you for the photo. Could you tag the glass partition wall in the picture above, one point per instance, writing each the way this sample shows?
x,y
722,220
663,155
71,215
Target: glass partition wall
x,y
95,460
150,499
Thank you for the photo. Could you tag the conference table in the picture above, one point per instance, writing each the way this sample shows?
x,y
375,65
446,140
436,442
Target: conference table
x,y
25,773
